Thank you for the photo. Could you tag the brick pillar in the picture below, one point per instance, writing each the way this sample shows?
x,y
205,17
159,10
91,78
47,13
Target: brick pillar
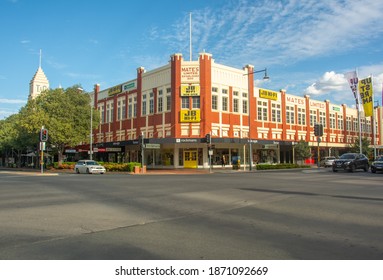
x,y
252,101
176,61
205,62
140,120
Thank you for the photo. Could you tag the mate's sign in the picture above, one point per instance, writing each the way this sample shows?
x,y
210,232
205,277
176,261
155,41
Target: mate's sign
x,y
190,72
190,116
190,90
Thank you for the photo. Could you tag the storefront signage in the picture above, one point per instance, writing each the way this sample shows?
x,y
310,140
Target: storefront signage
x,y
115,90
110,149
129,86
268,94
190,90
317,104
190,72
295,100
190,116
152,146
337,109
187,140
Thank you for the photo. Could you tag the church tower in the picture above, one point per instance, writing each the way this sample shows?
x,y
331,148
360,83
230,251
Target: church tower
x,y
39,82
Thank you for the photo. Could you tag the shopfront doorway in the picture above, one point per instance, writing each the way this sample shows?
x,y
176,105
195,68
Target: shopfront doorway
x,y
190,159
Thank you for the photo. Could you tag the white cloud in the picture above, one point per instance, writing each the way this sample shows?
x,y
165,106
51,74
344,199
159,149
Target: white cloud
x,y
329,82
334,86
12,101
274,32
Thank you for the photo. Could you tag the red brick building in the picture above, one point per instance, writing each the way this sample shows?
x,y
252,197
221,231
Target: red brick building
x,y
174,106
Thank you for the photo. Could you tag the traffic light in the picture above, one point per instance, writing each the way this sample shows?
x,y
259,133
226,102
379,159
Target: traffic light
x,y
208,138
321,130
141,140
318,129
44,135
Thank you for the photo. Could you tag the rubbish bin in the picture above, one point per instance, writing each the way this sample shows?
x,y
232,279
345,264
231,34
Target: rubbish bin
x,y
236,162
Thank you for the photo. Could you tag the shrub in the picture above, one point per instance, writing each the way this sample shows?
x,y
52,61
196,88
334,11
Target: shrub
x,y
127,167
64,165
280,166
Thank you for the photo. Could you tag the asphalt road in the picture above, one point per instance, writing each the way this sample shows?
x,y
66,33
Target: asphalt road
x,y
281,215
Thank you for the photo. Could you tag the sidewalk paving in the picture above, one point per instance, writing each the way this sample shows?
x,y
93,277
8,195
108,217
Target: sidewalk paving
x,y
158,171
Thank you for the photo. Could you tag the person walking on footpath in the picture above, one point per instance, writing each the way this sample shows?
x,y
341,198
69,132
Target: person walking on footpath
x,y
223,160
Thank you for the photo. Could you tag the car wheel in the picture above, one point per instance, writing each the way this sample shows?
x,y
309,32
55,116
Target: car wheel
x,y
352,168
334,170
373,170
77,171
87,171
365,168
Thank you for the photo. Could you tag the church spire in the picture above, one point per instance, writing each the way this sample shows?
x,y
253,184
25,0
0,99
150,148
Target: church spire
x,y
39,82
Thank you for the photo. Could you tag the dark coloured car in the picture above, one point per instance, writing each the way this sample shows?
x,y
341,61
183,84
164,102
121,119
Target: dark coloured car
x,y
351,162
377,165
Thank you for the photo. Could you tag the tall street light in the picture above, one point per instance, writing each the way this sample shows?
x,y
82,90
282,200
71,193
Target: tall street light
x,y
91,131
265,77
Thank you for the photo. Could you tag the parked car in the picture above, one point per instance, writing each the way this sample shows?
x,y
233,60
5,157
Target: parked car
x,y
89,167
327,161
377,164
350,162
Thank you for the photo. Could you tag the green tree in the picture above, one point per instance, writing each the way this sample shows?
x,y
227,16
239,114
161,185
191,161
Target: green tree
x,y
302,150
355,147
64,113
14,139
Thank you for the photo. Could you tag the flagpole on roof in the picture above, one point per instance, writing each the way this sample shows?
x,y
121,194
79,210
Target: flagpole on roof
x,y
190,35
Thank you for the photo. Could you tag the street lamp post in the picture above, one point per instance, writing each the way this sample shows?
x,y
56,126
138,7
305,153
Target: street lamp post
x,y
91,132
250,140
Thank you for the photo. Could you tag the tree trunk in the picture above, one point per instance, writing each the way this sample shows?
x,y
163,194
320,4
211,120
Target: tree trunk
x,y
60,151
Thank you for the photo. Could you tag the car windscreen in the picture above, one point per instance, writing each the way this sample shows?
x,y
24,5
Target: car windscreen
x,y
91,163
347,156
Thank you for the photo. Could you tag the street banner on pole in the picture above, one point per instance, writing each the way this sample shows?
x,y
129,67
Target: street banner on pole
x,y
366,96
352,80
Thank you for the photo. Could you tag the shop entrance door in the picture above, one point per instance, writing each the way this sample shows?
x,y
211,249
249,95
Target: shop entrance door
x,y
190,159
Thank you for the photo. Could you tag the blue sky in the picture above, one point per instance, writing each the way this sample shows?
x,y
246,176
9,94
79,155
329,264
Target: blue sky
x,y
306,46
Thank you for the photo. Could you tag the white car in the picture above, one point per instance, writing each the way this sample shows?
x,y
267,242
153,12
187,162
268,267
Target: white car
x,y
89,167
328,161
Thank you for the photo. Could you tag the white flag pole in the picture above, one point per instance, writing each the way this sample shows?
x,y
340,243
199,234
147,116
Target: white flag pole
x,y
358,109
190,35
373,117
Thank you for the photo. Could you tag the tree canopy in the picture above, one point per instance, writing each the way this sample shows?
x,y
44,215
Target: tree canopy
x,y
366,150
65,113
302,150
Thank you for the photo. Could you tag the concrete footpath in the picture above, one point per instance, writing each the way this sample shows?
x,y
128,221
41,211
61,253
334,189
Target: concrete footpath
x,y
164,171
